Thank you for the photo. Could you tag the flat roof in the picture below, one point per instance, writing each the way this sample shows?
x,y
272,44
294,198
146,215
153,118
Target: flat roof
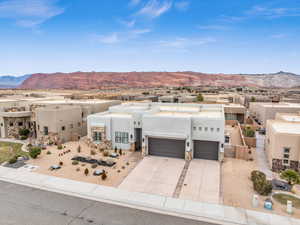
x,y
291,118
66,101
121,115
205,114
286,127
180,108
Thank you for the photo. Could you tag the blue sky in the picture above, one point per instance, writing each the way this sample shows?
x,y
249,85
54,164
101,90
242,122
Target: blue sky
x,y
217,36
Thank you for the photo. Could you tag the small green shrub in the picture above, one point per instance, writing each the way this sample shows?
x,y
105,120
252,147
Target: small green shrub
x,y
24,132
34,152
127,163
260,184
291,176
59,147
48,153
94,166
249,132
23,137
75,162
13,160
256,174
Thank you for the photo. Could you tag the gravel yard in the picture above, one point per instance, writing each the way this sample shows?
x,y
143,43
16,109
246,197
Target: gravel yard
x,y
115,175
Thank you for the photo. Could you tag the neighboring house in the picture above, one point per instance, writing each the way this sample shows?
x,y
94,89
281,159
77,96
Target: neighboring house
x,y
283,141
235,112
264,111
58,123
56,119
162,129
167,99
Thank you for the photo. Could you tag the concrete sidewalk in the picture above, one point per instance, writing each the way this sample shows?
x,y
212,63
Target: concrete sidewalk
x,y
205,212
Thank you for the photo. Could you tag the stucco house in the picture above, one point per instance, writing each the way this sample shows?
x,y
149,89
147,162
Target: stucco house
x,y
162,129
283,141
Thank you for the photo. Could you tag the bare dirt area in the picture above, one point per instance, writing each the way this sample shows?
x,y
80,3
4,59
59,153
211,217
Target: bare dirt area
x,y
115,175
237,188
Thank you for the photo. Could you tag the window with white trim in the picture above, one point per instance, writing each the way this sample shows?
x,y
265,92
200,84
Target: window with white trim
x,y
97,136
121,137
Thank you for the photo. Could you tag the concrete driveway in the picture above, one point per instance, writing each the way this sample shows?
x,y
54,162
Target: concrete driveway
x,y
154,175
202,181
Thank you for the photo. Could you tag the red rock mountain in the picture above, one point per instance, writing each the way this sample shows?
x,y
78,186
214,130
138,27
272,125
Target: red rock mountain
x,y
107,80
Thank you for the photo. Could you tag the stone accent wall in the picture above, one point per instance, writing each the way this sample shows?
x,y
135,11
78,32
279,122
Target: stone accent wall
x,y
277,165
188,155
50,138
294,165
104,144
13,131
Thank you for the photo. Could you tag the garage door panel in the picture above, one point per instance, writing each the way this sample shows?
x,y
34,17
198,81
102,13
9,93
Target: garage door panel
x,y
206,150
167,147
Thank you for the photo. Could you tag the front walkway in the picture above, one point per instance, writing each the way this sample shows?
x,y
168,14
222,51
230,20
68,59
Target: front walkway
x,y
261,156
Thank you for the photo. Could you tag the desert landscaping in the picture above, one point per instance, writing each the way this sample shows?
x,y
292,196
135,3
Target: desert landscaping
x,y
53,156
238,172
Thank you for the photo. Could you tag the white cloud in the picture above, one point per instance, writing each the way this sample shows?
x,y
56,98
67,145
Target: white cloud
x,y
29,13
128,23
140,31
108,39
155,8
182,5
117,37
186,42
273,12
213,27
279,36
134,2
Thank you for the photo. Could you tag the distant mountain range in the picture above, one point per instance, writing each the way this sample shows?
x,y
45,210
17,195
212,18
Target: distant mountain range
x,y
12,81
111,80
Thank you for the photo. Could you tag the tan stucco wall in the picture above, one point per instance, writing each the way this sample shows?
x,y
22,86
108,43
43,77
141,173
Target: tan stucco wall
x,y
69,117
276,142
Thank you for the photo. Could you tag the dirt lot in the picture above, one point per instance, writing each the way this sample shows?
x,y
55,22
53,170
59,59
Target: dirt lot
x,y
237,187
115,174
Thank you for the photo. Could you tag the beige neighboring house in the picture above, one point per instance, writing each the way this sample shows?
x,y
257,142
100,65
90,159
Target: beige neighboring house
x,y
14,115
49,118
264,111
283,141
66,120
58,123
235,112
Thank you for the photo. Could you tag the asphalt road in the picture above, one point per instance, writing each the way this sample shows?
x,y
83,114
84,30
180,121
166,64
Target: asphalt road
x,y
20,205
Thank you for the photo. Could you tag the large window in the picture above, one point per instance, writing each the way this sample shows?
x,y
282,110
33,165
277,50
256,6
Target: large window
x,y
97,136
121,137
286,156
46,131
